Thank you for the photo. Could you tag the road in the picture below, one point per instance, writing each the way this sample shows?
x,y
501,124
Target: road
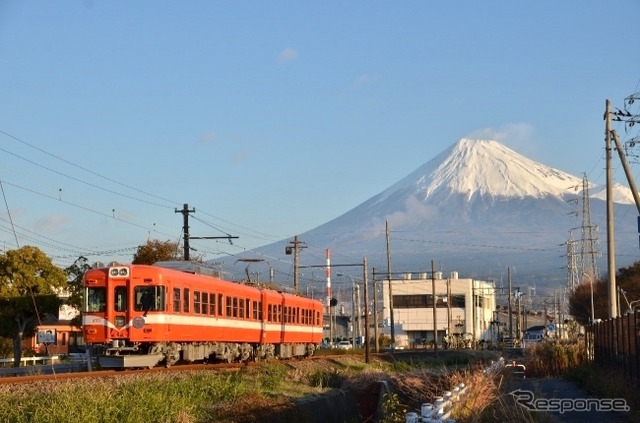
x,y
566,402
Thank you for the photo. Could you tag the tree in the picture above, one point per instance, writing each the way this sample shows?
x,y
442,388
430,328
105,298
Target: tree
x,y
628,279
580,301
155,250
75,273
29,288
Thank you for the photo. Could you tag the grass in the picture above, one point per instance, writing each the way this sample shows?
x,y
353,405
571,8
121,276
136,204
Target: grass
x,y
268,392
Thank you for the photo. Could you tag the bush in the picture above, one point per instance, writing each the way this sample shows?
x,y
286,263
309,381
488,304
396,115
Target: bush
x,y
554,358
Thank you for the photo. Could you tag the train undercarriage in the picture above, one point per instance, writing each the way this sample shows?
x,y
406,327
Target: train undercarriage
x,y
147,355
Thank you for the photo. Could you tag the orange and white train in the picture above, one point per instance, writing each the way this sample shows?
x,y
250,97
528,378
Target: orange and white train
x,y
142,316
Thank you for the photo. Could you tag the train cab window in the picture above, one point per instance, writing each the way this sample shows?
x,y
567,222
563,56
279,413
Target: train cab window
x,y
176,300
95,300
196,302
205,302
120,298
185,295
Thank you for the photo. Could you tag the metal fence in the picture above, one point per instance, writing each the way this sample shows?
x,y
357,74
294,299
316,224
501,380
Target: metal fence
x,y
613,344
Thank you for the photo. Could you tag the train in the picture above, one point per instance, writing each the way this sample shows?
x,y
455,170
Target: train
x,y
142,316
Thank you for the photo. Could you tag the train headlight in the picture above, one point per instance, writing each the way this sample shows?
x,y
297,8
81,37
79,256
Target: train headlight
x,y
119,272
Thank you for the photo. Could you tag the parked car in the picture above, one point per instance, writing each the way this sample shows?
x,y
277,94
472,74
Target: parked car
x,y
344,345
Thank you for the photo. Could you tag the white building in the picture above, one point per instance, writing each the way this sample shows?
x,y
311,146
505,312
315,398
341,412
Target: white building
x,y
456,316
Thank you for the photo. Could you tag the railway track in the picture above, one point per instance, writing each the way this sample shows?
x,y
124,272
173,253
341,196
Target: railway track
x,y
50,373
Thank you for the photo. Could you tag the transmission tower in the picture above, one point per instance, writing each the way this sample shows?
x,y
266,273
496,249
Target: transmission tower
x,y
588,242
573,276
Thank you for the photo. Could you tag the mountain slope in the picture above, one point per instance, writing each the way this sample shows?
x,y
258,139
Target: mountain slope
x,y
477,208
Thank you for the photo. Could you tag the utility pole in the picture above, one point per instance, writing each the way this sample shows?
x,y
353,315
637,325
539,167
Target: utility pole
x,y
294,248
611,251
366,310
375,311
185,227
510,309
391,321
435,301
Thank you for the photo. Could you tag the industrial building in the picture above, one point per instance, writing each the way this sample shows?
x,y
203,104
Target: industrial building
x,y
464,310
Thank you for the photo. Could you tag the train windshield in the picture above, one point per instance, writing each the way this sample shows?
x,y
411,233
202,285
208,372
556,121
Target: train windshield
x,y
95,300
149,298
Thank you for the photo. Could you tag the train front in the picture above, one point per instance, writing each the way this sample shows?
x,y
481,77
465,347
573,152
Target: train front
x,y
114,317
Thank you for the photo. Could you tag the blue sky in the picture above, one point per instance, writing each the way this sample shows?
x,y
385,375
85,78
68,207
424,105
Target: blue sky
x,y
273,117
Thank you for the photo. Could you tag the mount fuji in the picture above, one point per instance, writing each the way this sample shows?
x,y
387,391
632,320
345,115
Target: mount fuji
x,y
478,208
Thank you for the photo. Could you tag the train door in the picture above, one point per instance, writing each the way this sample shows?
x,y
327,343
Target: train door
x,y
264,314
118,308
94,321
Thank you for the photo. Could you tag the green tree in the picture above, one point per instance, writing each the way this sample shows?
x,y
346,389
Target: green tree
x,y
75,273
29,288
155,250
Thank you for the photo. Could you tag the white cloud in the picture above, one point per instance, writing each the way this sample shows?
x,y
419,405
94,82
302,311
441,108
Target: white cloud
x,y
363,80
207,138
288,55
51,224
518,136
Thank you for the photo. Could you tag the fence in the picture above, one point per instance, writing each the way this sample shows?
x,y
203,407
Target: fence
x,y
49,359
613,344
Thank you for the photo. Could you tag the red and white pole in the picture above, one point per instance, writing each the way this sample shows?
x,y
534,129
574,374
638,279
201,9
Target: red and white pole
x,y
328,274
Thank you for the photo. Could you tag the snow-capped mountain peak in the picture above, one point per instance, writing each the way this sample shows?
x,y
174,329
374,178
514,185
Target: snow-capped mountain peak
x,y
482,167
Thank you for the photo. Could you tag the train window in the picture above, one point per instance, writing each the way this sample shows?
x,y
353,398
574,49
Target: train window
x,y
212,304
95,300
254,306
269,313
235,307
196,302
246,308
176,300
259,310
185,295
279,314
240,308
229,308
205,302
120,298
219,304
148,298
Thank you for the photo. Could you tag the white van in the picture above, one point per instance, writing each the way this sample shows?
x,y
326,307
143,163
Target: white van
x,y
532,338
